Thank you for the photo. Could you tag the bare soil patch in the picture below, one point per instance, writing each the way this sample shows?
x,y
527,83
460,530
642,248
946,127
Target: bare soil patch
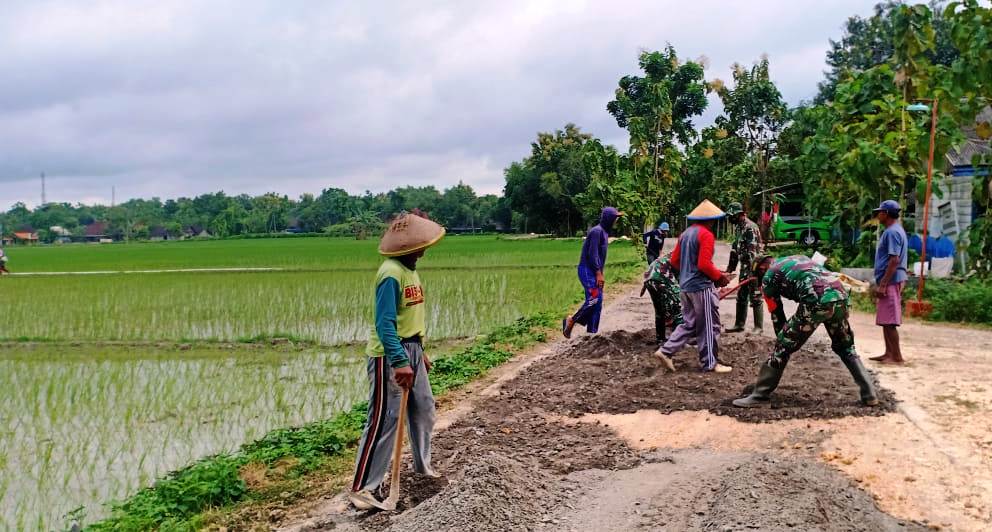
x,y
617,373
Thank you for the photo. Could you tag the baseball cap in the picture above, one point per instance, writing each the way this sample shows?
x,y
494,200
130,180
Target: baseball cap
x,y
888,205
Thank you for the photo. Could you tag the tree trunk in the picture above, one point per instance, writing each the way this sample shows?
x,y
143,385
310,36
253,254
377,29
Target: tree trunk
x,y
657,131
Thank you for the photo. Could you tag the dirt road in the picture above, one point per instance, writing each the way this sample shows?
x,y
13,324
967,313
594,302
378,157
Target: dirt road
x,y
588,434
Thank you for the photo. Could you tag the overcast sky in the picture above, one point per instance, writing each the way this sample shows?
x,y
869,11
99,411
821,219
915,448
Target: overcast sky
x,y
176,98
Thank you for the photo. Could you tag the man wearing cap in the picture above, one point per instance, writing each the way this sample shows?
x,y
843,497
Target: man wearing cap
x,y
654,241
590,270
822,299
396,358
744,249
693,259
891,258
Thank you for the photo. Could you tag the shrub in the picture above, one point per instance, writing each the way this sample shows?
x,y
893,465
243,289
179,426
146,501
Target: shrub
x,y
967,301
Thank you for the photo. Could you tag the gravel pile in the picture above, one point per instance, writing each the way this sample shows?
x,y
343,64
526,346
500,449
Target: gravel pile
x,y
495,494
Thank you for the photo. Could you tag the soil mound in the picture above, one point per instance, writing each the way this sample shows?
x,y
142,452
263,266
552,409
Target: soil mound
x,y
495,494
617,373
771,493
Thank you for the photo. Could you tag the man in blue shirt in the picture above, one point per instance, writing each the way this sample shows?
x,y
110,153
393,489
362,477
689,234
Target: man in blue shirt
x,y
590,270
890,276
654,241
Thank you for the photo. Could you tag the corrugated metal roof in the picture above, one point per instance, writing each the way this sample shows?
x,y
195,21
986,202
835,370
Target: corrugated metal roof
x,y
974,145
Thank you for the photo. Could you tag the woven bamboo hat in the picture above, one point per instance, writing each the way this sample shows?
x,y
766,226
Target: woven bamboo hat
x,y
408,233
706,211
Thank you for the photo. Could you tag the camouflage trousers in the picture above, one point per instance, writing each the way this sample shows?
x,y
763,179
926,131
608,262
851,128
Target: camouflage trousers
x,y
751,291
794,333
667,306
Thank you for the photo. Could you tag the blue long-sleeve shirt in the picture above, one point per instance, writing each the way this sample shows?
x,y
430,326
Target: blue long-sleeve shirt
x,y
387,297
597,241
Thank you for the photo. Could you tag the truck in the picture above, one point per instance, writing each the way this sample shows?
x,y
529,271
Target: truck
x,y
787,217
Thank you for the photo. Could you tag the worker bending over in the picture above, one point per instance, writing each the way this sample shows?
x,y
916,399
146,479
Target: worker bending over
x,y
822,299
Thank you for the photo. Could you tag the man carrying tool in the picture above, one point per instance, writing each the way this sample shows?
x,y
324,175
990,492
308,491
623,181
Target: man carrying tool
x,y
693,259
822,299
396,359
590,269
744,249
891,259
3,262
663,286
654,242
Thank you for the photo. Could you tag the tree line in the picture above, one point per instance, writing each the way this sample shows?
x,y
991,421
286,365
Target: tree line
x,y
333,211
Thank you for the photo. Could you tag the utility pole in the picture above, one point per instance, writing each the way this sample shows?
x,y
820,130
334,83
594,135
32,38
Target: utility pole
x,y
43,199
113,196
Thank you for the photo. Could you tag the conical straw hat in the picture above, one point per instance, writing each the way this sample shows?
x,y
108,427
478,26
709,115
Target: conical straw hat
x,y
408,233
706,211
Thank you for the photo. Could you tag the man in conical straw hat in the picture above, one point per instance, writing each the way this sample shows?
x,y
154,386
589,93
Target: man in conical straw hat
x,y
693,258
396,358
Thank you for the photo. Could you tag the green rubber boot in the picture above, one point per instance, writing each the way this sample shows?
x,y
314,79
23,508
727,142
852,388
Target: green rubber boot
x,y
741,315
759,317
768,379
860,374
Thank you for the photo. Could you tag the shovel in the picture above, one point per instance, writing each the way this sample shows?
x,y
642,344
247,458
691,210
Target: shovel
x,y
727,290
394,477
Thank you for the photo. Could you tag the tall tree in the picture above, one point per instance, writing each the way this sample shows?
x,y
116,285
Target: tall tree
x,y
657,110
754,113
543,187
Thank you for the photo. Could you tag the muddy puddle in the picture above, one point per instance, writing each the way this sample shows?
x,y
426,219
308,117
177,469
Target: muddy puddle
x,y
513,464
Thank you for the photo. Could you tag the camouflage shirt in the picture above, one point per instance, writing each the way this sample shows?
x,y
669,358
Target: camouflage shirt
x,y
746,246
800,279
660,273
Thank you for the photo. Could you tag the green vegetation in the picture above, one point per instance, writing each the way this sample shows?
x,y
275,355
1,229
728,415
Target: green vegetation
x,y
333,210
327,308
967,301
135,375
319,254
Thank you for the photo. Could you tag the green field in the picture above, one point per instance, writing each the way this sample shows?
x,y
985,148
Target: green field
x,y
115,379
316,253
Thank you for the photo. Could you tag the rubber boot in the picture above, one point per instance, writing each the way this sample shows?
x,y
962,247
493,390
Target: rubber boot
x,y
860,374
759,317
741,315
768,379
659,330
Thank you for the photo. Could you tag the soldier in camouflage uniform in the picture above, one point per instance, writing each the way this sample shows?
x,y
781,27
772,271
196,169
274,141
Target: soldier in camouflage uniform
x,y
745,248
663,286
822,299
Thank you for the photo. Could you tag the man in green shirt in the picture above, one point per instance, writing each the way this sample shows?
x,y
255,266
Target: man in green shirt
x,y
396,359
822,299
745,248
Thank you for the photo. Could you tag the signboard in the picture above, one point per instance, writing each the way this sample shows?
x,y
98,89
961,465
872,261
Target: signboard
x,y
948,213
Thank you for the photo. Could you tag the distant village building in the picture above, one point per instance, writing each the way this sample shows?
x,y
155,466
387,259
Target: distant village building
x,y
96,232
158,233
25,235
196,231
60,234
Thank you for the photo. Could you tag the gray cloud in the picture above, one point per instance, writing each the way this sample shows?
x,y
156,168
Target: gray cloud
x,y
183,97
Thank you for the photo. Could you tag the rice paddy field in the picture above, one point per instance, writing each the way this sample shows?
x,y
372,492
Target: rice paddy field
x,y
112,379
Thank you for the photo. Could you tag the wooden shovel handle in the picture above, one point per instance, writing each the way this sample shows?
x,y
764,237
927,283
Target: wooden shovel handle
x,y
394,478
